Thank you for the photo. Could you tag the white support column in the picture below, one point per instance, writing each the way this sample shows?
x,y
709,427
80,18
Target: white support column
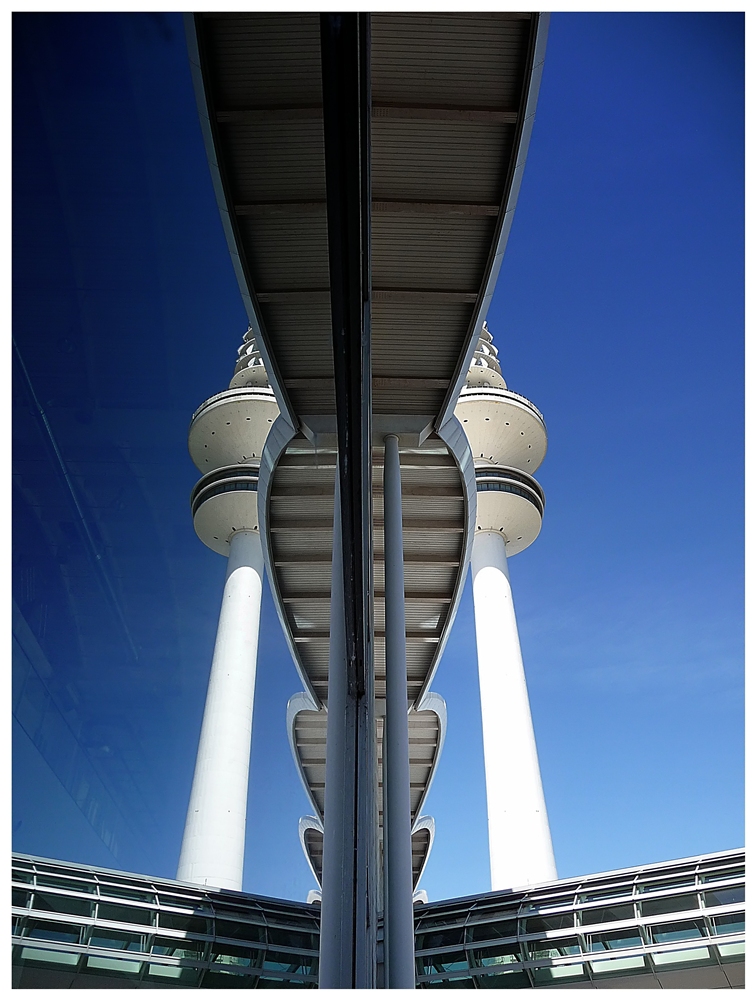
x,y
337,899
518,827
212,851
397,833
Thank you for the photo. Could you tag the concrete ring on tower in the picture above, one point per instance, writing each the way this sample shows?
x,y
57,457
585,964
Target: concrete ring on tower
x,y
503,428
225,501
511,502
231,428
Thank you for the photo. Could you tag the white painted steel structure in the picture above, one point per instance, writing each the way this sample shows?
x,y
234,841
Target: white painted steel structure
x,y
508,440
399,957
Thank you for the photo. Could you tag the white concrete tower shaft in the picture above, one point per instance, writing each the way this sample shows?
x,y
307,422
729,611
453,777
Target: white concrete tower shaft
x,y
519,838
507,436
226,439
212,851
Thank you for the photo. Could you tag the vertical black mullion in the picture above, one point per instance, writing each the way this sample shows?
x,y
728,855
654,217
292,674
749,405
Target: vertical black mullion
x,y
346,112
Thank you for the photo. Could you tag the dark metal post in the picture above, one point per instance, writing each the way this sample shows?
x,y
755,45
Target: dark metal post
x,y
349,903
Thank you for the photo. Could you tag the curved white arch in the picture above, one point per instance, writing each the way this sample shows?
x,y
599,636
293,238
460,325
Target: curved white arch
x,y
309,823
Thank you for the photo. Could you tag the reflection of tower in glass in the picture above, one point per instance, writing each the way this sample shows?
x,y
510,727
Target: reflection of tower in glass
x,y
507,437
226,439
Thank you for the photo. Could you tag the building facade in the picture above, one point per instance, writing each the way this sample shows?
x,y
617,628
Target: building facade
x,y
680,924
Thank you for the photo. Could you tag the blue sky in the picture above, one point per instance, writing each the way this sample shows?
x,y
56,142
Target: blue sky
x,y
618,312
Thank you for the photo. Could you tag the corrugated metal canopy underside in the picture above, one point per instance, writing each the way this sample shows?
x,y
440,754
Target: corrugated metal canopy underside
x,y
448,101
447,94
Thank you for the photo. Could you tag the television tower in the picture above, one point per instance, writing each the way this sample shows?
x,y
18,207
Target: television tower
x,y
226,439
507,436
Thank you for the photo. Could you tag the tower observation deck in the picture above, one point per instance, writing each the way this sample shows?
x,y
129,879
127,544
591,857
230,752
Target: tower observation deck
x,y
367,169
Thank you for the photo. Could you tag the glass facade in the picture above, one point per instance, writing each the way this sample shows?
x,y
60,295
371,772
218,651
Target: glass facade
x,y
77,927
661,925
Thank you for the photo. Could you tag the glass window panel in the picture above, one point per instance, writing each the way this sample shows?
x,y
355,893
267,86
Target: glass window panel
x,y
614,965
497,929
20,897
680,957
124,914
120,940
227,979
450,962
292,939
232,954
441,938
63,904
554,922
615,892
681,931
22,876
56,882
503,981
615,940
670,904
121,892
559,972
553,949
239,931
459,983
281,962
178,947
718,875
729,923
49,957
48,931
608,914
184,975
729,950
122,965
724,897
670,883
497,954
270,982
180,922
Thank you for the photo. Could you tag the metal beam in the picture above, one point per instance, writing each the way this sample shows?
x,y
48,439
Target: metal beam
x,y
348,924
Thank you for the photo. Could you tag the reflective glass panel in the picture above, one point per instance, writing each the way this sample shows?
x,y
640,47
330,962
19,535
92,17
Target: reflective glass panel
x,y
283,962
124,914
680,931
553,922
57,882
450,962
504,981
49,931
553,949
729,923
559,972
497,929
441,938
670,904
695,955
292,939
179,922
238,930
724,897
122,940
232,954
179,948
63,904
607,914
615,940
501,954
